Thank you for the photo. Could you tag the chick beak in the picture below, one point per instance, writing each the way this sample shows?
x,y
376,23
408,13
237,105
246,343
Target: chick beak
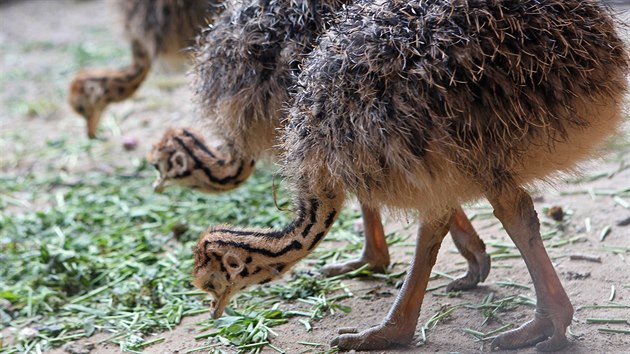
x,y
219,304
92,124
159,184
215,311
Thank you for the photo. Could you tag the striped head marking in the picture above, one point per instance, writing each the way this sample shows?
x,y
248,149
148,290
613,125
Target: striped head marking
x,y
224,265
172,160
182,158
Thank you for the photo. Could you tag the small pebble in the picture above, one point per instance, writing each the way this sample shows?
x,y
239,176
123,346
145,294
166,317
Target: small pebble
x,y
624,222
556,213
130,143
571,275
76,348
28,333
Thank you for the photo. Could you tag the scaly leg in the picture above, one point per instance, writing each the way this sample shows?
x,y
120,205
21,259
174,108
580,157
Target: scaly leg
x,y
554,311
473,249
400,324
375,252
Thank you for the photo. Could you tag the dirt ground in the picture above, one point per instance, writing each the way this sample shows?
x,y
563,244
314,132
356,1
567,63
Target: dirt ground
x,y
38,55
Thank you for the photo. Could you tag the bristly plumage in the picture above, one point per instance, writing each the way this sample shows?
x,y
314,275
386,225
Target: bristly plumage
x,y
422,105
477,93
244,66
165,27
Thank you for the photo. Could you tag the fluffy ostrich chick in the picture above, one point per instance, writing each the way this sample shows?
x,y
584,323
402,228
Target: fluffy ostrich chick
x,y
244,68
156,29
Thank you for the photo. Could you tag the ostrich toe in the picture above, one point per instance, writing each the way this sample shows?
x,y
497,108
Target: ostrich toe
x,y
473,249
540,331
375,251
377,265
375,338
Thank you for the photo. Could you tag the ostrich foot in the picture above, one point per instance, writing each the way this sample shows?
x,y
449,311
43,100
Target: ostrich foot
x,y
473,249
548,334
375,251
400,324
477,272
379,337
377,264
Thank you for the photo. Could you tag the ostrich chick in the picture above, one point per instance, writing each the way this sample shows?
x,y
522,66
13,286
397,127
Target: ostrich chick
x,y
424,105
160,28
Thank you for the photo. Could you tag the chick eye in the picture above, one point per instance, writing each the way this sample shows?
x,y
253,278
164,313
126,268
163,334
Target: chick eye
x,y
179,160
209,285
232,262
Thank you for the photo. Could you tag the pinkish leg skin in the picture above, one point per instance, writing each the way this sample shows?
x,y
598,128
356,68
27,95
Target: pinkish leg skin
x,y
554,311
400,324
473,249
375,251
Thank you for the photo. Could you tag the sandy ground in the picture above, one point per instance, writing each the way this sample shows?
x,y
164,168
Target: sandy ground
x,y
31,33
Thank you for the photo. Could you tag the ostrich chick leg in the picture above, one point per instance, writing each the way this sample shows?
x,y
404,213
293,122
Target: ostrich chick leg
x,y
375,252
473,249
400,324
554,311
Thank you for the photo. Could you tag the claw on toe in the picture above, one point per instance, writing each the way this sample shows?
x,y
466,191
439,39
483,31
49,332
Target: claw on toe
x,y
467,282
360,342
474,276
555,343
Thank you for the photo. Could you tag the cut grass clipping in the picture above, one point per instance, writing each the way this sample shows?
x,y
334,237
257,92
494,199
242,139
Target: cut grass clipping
x,y
109,255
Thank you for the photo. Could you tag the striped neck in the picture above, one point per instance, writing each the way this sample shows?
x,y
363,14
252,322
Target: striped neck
x,y
228,259
290,244
92,90
125,82
182,158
